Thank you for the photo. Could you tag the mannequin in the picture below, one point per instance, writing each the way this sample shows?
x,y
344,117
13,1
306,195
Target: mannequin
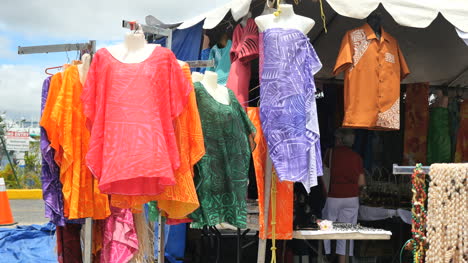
x,y
375,22
197,77
267,9
219,92
287,19
84,67
135,48
243,22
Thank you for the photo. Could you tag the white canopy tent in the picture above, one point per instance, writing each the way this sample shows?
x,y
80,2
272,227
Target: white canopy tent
x,y
430,32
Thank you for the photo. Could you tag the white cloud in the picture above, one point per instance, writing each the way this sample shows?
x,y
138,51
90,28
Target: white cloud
x,y
87,19
5,48
20,90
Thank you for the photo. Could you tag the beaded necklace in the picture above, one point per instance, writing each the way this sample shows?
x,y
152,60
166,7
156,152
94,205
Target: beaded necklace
x,y
418,242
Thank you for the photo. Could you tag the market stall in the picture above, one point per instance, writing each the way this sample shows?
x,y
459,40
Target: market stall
x,y
238,127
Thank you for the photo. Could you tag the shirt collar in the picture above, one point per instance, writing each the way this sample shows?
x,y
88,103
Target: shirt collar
x,y
371,34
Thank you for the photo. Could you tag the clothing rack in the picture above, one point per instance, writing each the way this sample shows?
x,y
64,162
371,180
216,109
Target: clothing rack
x,y
397,169
91,47
201,63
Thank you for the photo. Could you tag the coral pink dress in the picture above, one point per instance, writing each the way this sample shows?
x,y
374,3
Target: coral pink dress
x,y
130,109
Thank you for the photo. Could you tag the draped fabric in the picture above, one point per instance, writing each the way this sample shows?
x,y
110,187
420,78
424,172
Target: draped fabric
x,y
285,189
68,243
180,199
65,124
222,60
120,240
130,109
416,123
221,175
438,138
186,42
288,110
81,196
51,186
461,153
244,49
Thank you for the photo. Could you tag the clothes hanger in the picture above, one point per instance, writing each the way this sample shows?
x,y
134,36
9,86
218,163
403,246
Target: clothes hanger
x,y
47,70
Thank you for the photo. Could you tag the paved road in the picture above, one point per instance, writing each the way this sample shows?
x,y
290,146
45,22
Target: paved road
x,y
27,212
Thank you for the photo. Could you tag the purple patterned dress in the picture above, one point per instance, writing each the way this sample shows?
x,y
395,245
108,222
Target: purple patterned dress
x,y
288,110
51,186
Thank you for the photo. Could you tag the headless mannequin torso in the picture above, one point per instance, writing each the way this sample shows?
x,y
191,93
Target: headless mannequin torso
x,y
219,92
84,67
197,77
135,49
287,19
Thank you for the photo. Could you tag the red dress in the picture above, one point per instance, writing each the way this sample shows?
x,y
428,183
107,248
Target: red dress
x,y
244,49
130,109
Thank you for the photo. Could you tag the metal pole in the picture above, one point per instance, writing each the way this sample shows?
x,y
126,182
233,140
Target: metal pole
x,y
161,236
9,160
88,240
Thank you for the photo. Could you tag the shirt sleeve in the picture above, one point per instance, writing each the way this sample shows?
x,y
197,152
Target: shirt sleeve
x,y
248,50
404,70
88,95
345,56
179,87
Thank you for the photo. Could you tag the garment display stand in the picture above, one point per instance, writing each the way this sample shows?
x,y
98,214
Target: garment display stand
x,y
91,47
397,169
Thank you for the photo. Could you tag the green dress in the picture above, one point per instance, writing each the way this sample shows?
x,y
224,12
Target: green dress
x,y
221,175
438,137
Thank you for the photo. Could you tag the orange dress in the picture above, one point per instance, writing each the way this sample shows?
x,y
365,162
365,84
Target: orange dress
x,y
461,154
285,189
416,123
181,199
66,124
373,71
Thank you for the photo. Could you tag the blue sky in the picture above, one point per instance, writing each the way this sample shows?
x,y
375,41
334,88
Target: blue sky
x,y
44,22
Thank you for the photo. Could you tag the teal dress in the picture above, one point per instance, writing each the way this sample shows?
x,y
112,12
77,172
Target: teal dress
x,y
221,176
222,60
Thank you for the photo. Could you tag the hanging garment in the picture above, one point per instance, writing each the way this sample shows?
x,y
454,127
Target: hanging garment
x,y
461,154
81,196
68,243
373,71
131,108
455,118
120,240
185,42
438,137
416,123
221,175
51,186
180,199
288,111
222,62
285,189
244,49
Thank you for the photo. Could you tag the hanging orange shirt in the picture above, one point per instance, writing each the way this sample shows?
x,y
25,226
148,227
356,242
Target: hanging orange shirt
x,y
49,125
180,199
81,196
285,190
373,71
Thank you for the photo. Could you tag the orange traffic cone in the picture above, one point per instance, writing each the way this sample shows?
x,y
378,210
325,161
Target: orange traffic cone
x,y
6,218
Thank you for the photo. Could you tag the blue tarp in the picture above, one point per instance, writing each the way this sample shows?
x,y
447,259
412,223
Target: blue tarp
x,y
34,243
186,43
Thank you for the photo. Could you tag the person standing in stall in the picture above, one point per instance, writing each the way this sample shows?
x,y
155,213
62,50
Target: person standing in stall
x,y
346,182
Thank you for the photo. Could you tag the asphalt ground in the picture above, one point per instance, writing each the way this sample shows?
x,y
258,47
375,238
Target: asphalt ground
x,y
27,212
